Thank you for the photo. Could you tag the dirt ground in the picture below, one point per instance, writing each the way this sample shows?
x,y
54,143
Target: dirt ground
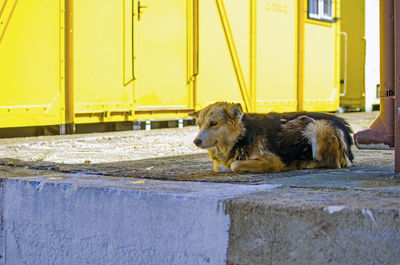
x,y
165,154
122,146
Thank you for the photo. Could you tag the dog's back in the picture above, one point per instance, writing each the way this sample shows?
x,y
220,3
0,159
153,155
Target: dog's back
x,y
301,137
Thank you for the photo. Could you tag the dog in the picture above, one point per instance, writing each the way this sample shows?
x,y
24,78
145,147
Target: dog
x,y
272,142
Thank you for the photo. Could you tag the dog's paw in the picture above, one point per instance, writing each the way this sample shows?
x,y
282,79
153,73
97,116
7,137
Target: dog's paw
x,y
221,168
235,167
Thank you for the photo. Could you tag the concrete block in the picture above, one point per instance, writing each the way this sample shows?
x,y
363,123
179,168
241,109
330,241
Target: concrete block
x,y
115,221
63,224
304,226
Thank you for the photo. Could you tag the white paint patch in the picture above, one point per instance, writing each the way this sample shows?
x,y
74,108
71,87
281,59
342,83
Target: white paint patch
x,y
335,208
368,213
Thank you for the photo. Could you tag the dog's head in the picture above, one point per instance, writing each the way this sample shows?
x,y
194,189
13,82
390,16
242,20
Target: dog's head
x,y
219,123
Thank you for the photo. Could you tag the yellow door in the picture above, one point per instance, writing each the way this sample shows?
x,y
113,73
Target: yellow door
x,y
321,56
102,61
160,50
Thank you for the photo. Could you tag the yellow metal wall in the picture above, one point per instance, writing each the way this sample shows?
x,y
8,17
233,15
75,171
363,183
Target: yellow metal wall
x,y
102,61
31,70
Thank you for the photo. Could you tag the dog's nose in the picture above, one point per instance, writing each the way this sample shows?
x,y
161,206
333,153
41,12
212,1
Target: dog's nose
x,y
197,142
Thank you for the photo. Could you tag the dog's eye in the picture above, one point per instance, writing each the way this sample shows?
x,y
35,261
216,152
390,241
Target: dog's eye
x,y
213,123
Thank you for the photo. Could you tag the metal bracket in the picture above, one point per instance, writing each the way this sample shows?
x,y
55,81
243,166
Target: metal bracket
x,y
139,8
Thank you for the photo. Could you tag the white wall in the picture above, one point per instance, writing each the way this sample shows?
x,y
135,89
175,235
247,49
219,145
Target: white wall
x,y
372,52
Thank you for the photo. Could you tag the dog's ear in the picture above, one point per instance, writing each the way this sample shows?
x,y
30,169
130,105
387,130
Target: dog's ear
x,y
194,114
234,110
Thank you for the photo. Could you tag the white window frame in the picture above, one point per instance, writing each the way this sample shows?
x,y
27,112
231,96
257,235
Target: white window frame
x,y
321,10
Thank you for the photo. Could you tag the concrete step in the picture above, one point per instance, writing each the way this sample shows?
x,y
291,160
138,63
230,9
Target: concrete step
x,y
54,217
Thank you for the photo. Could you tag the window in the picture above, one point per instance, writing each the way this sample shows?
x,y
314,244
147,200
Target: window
x,y
320,10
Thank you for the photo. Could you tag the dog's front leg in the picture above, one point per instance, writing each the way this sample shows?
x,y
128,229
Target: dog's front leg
x,y
258,164
221,168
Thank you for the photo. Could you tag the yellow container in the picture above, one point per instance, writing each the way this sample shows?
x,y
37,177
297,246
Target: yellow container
x,y
74,62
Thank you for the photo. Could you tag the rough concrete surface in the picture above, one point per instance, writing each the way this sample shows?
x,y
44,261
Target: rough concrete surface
x,y
311,226
151,197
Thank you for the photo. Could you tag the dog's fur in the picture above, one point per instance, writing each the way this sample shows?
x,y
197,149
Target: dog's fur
x,y
272,142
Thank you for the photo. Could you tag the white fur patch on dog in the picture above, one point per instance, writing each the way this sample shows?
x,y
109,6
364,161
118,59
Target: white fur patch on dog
x,y
221,168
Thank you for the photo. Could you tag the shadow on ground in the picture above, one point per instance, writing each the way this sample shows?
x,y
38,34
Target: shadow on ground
x,y
370,169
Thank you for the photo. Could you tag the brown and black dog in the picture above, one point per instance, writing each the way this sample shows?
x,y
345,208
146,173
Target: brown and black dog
x,y
272,142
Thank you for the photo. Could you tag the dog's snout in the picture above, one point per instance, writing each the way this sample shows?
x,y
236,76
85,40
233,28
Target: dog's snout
x,y
197,142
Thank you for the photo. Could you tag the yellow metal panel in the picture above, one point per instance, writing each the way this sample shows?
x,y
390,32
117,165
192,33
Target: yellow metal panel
x,y
31,71
161,55
353,24
321,84
319,66
277,62
296,61
233,52
217,80
102,60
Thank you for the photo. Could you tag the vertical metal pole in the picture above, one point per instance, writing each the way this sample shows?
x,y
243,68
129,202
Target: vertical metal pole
x,y
69,66
381,133
397,88
195,37
386,93
196,46
253,54
300,55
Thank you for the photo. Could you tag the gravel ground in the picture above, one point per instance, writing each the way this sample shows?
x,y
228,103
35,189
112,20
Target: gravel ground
x,y
102,147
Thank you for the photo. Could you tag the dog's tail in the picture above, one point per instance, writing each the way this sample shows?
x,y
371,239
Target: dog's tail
x,y
330,145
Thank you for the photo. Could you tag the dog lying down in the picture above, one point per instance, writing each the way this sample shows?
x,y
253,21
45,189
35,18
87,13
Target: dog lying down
x,y
272,142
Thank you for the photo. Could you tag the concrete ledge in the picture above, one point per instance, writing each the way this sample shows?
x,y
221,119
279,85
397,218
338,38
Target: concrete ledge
x,y
50,217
